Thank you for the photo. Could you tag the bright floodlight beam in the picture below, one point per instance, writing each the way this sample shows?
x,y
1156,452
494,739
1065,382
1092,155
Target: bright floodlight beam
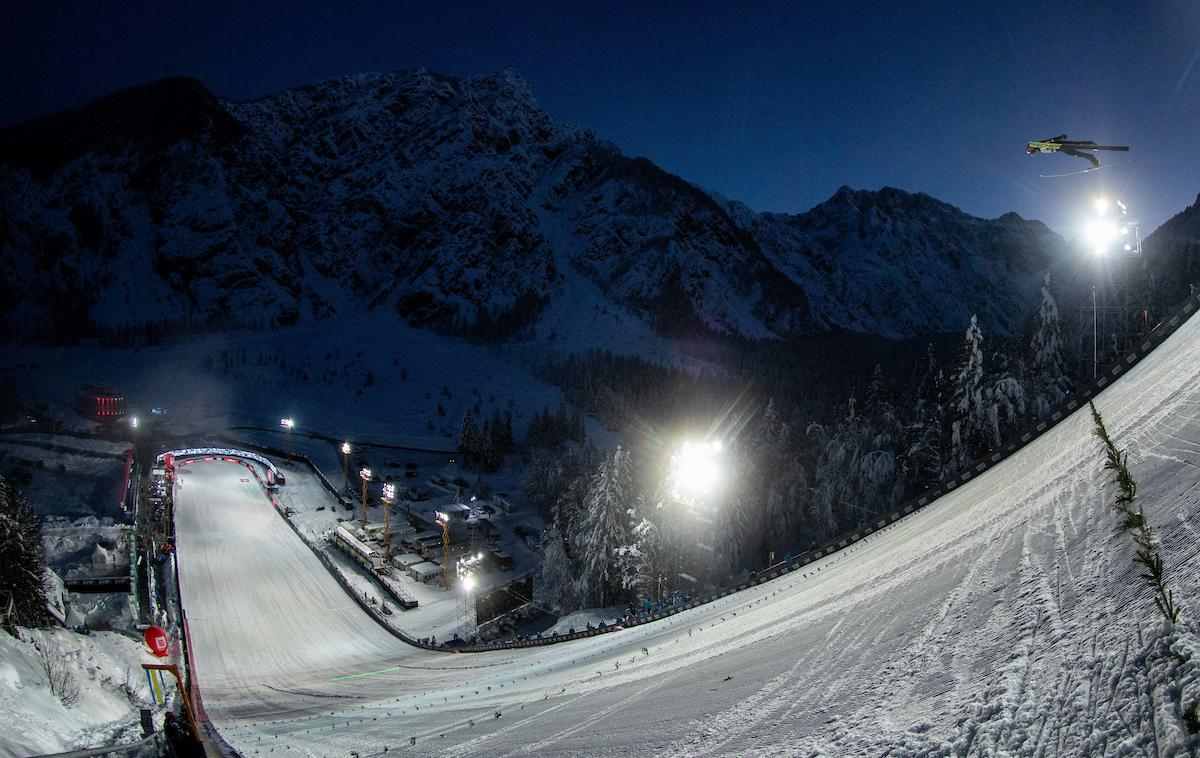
x,y
345,448
1101,233
696,470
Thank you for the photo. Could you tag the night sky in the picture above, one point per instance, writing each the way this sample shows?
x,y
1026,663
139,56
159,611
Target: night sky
x,y
773,104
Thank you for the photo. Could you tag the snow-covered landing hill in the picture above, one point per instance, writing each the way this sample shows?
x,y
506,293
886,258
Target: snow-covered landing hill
x,y
456,204
1005,618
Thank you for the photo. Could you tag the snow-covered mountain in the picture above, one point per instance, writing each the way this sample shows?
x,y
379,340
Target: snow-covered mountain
x,y
459,205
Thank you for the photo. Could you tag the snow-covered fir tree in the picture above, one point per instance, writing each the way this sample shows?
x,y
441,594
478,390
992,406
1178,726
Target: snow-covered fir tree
x,y
22,559
1049,383
924,449
969,415
556,589
640,561
603,528
1005,398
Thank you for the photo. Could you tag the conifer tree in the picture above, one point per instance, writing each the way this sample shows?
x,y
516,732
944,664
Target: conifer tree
x,y
640,561
1050,380
22,559
468,435
968,410
604,528
556,590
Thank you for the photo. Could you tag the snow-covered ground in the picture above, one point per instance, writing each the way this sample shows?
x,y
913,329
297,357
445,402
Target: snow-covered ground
x,y
112,686
1007,618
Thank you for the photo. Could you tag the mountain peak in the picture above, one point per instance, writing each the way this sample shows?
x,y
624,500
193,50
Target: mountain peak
x,y
146,117
888,198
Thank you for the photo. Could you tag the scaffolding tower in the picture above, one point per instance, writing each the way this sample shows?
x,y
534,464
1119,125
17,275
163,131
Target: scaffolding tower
x,y
466,586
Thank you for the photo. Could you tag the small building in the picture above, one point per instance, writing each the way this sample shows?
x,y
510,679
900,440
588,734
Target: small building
x,y
426,572
359,551
456,511
373,530
428,546
425,534
406,560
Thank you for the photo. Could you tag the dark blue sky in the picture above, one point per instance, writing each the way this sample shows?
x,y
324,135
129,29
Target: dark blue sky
x,y
773,104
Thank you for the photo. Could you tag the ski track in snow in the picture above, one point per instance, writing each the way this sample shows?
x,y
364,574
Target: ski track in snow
x,y
1007,618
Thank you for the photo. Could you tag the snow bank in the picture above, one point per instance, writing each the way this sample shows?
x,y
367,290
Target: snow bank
x,y
112,687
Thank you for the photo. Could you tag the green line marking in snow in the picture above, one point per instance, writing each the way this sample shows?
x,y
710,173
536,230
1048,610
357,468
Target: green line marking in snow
x,y
368,673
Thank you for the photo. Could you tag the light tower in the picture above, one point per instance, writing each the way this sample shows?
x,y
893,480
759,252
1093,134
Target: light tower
x,y
1119,314
365,475
346,465
444,520
389,497
465,571
695,474
287,424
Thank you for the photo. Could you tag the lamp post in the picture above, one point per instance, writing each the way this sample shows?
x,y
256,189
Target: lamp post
x,y
346,465
365,475
389,497
288,423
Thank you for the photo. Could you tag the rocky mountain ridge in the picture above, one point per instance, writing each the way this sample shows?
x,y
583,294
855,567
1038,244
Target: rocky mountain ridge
x,y
459,205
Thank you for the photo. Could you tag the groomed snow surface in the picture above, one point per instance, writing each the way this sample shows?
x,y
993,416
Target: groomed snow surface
x,y
1007,618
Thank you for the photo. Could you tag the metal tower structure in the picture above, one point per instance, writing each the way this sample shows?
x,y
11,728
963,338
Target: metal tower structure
x,y
388,497
465,572
1118,315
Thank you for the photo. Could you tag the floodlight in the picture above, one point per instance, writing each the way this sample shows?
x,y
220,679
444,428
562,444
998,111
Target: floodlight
x,y
389,491
1100,233
440,517
287,423
694,469
345,448
365,473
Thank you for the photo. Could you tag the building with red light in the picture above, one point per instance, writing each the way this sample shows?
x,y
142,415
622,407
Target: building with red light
x,y
100,402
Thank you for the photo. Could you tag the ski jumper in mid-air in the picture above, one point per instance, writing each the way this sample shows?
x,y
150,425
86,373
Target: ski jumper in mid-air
x,y
1075,148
